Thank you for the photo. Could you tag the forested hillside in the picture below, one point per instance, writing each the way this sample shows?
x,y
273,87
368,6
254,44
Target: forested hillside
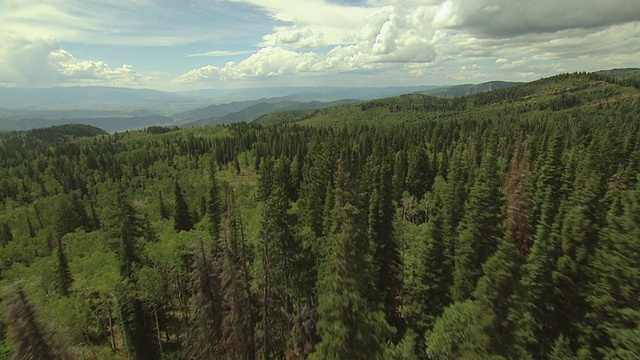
x,y
504,225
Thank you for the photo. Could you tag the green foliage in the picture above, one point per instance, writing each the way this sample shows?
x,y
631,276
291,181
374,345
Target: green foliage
x,y
462,332
395,228
182,220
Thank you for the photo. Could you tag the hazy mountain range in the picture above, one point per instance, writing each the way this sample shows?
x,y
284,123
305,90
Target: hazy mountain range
x,y
119,109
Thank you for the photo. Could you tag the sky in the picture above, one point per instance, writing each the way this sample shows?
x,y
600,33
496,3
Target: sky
x,y
180,45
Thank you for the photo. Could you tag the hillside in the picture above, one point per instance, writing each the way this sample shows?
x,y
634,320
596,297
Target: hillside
x,y
580,93
442,228
110,124
468,89
259,109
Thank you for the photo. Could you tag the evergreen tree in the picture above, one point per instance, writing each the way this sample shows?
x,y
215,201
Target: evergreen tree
x,y
182,220
380,233
613,300
214,206
519,204
6,236
64,273
127,229
349,325
69,215
428,265
399,175
419,173
203,333
277,253
237,326
494,291
164,211
533,312
480,229
461,332
25,329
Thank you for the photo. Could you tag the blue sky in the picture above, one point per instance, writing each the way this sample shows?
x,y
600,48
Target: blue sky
x,y
180,45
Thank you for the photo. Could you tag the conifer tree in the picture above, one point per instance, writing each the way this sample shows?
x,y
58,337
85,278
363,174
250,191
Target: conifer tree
x,y
64,273
214,206
480,229
125,226
399,175
182,220
276,256
237,326
614,304
349,325
579,236
6,236
419,173
164,211
428,265
25,329
519,203
203,332
380,233
533,312
317,177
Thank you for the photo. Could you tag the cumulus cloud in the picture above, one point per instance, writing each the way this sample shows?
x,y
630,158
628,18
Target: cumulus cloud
x,y
41,62
295,37
72,70
24,61
269,61
505,18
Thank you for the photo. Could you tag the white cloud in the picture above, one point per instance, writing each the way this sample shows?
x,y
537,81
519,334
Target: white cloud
x,y
72,70
502,60
505,18
40,61
269,61
294,37
221,53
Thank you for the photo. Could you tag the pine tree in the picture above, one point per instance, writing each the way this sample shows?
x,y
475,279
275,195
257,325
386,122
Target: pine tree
x,y
461,332
237,325
533,312
164,211
614,304
25,329
399,175
495,289
380,234
349,325
519,203
6,236
64,273
203,332
124,225
214,206
428,265
579,236
419,173
182,220
480,229
276,256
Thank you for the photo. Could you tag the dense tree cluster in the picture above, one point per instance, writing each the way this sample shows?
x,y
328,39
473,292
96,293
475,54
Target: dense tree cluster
x,y
486,237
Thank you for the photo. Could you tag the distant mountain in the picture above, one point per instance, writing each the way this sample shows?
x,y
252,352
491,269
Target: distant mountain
x,y
320,93
94,98
255,111
468,89
216,111
110,124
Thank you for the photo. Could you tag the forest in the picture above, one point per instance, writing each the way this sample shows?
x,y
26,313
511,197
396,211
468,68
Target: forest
x,y
502,225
